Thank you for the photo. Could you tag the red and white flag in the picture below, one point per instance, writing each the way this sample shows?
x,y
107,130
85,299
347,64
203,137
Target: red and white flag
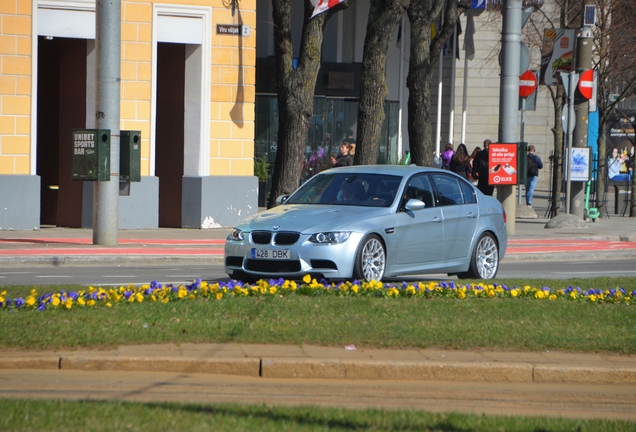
x,y
323,6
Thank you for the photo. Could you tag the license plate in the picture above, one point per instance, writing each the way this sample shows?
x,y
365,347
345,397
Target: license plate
x,y
278,254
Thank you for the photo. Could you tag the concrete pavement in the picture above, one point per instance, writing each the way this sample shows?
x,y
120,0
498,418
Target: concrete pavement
x,y
606,238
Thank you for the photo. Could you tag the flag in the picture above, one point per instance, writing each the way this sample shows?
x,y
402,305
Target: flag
x,y
458,31
324,5
469,40
455,43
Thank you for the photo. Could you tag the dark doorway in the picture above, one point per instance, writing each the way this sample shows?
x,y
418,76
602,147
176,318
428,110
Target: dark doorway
x,y
61,108
169,145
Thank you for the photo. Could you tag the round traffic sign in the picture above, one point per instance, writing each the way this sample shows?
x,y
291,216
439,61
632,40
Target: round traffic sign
x,y
586,83
527,83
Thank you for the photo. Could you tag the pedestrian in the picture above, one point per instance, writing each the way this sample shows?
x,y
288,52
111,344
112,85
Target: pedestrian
x,y
349,139
473,173
481,168
344,158
460,162
532,175
447,155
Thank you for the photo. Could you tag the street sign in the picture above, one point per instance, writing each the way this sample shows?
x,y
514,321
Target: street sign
x,y
586,84
527,83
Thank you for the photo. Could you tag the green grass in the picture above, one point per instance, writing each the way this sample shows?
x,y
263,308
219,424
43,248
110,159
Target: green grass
x,y
52,416
498,324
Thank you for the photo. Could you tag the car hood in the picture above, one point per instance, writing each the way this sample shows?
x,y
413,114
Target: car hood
x,y
312,218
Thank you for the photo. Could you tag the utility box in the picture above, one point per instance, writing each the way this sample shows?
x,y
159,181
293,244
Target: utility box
x,y
91,154
130,156
522,162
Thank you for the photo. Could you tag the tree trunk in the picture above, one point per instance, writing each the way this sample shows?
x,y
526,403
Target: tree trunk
x,y
423,56
295,93
384,16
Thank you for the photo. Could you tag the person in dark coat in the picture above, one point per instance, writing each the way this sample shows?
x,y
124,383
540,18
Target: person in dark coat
x,y
480,165
460,162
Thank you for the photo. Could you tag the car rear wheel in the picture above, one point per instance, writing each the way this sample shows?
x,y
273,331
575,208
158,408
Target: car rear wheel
x,y
370,259
484,262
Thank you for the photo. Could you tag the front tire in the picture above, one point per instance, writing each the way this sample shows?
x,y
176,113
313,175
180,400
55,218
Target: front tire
x,y
484,262
370,262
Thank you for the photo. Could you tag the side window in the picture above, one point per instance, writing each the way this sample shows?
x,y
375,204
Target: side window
x,y
468,192
419,187
448,190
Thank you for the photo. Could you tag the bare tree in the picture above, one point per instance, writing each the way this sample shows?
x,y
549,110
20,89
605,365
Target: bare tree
x,y
423,56
295,92
384,15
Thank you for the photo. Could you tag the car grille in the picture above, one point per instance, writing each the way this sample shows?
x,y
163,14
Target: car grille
x,y
272,266
261,237
286,238
281,238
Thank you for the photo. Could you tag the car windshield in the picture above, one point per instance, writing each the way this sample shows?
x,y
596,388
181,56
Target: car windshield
x,y
359,189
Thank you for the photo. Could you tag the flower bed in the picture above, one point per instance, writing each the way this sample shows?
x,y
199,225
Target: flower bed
x,y
165,293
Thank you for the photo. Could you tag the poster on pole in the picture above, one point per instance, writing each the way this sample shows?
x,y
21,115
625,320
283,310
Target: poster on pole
x,y
502,164
556,55
580,163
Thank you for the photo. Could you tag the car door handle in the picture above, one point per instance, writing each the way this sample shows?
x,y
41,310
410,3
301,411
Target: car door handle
x,y
472,215
437,219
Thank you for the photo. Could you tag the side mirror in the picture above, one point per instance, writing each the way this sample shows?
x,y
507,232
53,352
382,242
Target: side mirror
x,y
414,205
281,199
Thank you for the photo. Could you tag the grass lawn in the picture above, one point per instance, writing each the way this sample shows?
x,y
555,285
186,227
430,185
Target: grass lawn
x,y
53,416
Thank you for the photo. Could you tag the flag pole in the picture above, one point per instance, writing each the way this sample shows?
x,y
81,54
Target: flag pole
x,y
451,115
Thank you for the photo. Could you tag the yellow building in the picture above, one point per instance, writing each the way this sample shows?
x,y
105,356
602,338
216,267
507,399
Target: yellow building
x,y
187,83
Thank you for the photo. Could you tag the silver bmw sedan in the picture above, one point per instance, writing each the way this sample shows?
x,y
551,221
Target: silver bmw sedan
x,y
372,222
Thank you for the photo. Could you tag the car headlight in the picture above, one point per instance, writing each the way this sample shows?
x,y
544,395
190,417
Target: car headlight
x,y
235,234
330,237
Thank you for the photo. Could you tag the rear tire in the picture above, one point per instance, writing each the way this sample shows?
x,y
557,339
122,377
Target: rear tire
x,y
370,262
484,262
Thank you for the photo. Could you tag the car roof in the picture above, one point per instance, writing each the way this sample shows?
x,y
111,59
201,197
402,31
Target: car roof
x,y
399,170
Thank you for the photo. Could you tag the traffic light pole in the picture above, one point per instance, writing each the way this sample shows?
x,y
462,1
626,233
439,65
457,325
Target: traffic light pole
x,y
509,96
107,94
584,44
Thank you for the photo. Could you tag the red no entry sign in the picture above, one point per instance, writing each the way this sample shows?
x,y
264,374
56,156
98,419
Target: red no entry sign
x,y
527,83
586,84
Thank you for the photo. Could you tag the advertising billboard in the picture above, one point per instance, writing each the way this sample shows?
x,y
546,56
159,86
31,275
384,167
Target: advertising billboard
x,y
556,55
502,163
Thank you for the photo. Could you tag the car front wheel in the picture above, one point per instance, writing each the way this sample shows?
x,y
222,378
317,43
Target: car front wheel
x,y
370,259
484,261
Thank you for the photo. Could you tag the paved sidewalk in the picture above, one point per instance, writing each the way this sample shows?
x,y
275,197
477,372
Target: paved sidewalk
x,y
349,362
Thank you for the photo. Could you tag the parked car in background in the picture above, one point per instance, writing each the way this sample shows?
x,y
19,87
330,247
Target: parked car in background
x,y
372,222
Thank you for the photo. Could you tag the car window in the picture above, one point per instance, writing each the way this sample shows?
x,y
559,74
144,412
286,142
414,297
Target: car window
x,y
419,187
448,190
360,189
468,192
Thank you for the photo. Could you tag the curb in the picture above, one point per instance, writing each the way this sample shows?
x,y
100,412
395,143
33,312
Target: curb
x,y
283,368
108,260
214,260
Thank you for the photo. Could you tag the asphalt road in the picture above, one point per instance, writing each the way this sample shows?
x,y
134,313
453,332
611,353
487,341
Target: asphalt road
x,y
106,276
572,401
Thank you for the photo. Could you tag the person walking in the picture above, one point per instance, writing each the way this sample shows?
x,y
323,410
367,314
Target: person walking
x,y
481,169
532,175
